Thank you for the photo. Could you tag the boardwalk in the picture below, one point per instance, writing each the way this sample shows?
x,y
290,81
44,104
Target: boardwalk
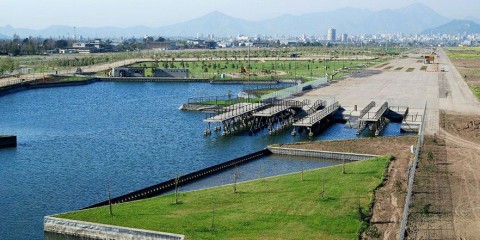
x,y
271,111
238,110
375,113
317,116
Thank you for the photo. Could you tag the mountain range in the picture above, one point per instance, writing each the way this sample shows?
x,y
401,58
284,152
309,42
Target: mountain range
x,y
455,27
413,19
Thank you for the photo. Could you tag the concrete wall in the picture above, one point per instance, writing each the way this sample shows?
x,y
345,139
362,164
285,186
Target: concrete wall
x,y
174,72
128,72
321,154
102,231
151,79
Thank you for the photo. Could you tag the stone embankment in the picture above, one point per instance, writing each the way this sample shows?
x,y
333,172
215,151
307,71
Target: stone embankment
x,y
103,231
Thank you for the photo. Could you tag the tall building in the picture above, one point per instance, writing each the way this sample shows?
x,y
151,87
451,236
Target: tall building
x,y
344,37
332,34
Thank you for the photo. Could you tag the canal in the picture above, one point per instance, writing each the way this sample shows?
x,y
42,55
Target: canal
x,y
74,143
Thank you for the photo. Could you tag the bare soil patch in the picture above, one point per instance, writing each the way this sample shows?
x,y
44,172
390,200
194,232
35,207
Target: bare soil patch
x,y
462,136
447,186
390,198
469,69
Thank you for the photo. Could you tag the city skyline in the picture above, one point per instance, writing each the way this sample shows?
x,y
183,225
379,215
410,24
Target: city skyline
x,y
42,14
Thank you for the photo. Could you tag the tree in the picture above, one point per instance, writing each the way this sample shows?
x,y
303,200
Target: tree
x,y
235,179
7,65
61,43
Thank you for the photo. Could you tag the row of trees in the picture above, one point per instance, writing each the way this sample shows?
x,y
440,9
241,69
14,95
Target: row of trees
x,y
31,46
35,46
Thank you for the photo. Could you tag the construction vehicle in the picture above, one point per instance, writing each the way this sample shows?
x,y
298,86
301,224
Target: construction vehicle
x,y
429,59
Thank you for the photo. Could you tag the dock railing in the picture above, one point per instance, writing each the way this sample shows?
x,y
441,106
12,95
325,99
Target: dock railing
x,y
288,92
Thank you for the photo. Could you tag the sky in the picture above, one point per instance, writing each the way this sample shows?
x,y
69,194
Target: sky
x,y
38,14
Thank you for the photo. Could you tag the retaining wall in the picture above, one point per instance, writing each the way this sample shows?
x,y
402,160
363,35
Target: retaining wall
x,y
321,154
151,79
29,85
102,231
160,188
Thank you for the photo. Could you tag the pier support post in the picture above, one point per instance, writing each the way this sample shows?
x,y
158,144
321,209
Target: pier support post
x,y
310,134
207,131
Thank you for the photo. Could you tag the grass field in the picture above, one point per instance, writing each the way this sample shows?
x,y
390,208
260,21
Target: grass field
x,y
464,53
283,207
467,62
258,70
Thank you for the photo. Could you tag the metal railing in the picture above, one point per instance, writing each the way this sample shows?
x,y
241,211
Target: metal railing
x,y
411,176
288,92
317,116
235,111
213,99
316,106
369,116
366,109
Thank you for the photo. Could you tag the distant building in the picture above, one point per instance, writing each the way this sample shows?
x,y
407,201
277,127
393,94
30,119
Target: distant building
x,y
210,44
128,72
88,47
171,73
199,43
67,51
332,34
344,37
261,44
161,45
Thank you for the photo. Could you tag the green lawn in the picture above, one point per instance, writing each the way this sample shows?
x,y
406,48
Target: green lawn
x,y
468,54
283,207
476,91
463,53
259,70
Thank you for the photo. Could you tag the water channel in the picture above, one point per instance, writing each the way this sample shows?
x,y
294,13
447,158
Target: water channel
x,y
76,142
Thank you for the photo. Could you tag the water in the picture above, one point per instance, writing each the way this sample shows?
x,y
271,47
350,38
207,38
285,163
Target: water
x,y
76,142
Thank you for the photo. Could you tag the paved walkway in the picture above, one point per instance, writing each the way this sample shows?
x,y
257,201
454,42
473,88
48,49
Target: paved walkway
x,y
397,87
95,68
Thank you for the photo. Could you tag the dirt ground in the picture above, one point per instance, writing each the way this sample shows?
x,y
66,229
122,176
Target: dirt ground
x,y
462,136
447,185
469,69
390,198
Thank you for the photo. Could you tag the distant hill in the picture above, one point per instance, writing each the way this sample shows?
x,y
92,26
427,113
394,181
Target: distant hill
x,y
410,20
455,27
473,19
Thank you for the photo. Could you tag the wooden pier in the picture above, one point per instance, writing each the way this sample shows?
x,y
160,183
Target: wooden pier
x,y
315,117
271,111
237,110
373,118
355,115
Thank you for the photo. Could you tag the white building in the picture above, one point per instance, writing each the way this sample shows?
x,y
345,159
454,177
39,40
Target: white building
x,y
332,34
